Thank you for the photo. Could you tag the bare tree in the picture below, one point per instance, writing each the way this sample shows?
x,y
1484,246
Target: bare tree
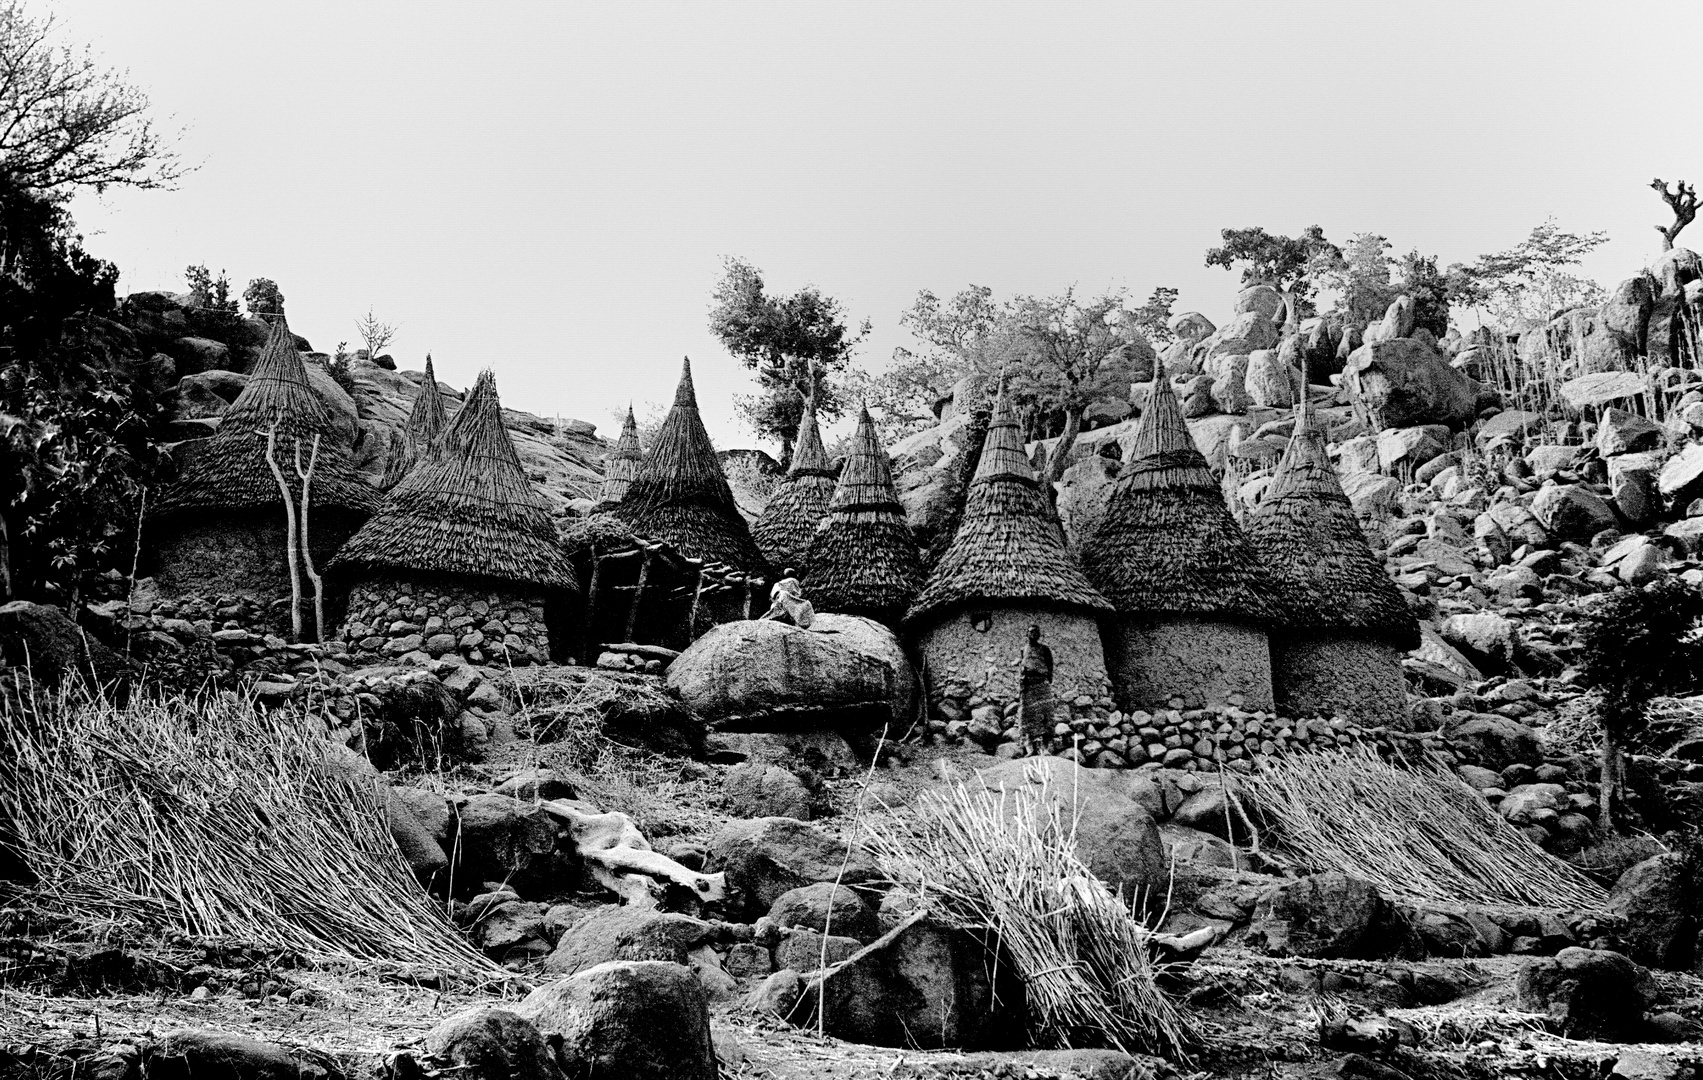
x,y
290,555
67,122
1684,204
376,334
307,548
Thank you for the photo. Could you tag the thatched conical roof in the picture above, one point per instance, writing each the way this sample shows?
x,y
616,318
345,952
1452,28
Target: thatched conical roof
x,y
229,471
425,423
1168,545
465,509
1009,548
622,466
799,503
681,495
863,558
1306,530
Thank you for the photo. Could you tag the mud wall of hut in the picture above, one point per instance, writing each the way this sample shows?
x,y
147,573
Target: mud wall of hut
x,y
987,662
1339,676
490,623
1195,663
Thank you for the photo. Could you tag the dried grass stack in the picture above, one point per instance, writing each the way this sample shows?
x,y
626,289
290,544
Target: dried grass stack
x,y
799,504
1329,579
1418,834
625,461
426,421
1168,545
211,817
681,495
467,509
1009,547
863,559
228,471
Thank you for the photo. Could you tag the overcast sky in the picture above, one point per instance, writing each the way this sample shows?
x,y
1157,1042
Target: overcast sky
x,y
549,188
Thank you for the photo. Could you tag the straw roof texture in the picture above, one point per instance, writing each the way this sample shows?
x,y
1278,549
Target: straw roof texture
x,y
465,509
800,501
229,471
622,466
1168,545
863,557
425,423
1307,532
681,494
1009,547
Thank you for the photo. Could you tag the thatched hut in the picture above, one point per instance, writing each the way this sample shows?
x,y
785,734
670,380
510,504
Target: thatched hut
x,y
863,559
426,420
220,527
1007,569
462,556
799,503
626,459
1193,602
1345,625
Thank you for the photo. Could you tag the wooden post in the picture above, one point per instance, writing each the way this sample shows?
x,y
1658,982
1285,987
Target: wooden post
x,y
307,551
591,609
747,596
697,594
638,594
289,534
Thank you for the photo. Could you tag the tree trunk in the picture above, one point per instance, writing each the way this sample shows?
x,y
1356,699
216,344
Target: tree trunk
x,y
307,549
5,561
289,536
1609,782
1059,460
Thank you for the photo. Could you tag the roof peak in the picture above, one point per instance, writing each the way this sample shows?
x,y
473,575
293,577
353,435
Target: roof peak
x,y
808,454
1003,456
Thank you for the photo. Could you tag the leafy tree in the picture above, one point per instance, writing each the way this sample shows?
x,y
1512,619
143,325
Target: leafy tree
x,y
798,346
263,298
952,335
209,292
1286,263
66,122
1638,643
1367,279
1417,276
1153,318
1531,281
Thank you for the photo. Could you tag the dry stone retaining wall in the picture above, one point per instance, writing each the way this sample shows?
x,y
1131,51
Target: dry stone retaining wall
x,y
482,625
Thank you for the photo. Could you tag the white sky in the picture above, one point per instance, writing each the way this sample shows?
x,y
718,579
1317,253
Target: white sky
x,y
548,188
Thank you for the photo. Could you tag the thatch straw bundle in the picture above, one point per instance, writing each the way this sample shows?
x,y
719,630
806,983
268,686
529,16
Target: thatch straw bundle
x,y
229,470
467,508
1418,834
1009,546
799,504
863,559
213,818
681,495
1328,578
426,421
1168,544
622,466
1007,869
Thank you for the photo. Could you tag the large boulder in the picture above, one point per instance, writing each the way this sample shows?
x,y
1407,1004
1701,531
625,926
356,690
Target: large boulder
x,y
825,908
1495,742
644,1020
45,642
1083,493
764,858
626,933
1104,811
755,789
762,675
215,1055
482,1043
1247,331
1662,910
503,839
1572,510
1406,383
1487,639
1329,916
1587,993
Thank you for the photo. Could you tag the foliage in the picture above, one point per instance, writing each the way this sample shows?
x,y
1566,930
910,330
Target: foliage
x,y
1637,644
1531,281
1367,279
1287,263
1153,318
263,297
798,345
376,334
66,122
209,292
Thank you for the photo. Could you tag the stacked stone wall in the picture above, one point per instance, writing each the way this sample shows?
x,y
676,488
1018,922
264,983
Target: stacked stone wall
x,y
483,625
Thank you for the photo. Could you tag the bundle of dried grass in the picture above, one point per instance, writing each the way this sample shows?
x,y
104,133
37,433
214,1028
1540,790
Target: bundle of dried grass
x,y
1007,869
1419,834
212,818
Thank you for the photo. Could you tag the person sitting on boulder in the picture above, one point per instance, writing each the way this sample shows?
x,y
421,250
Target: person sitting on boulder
x,y
787,602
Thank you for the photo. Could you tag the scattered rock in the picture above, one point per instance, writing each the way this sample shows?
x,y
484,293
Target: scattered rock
x,y
1329,916
1587,993
765,858
825,908
758,789
626,933
491,1044
643,1020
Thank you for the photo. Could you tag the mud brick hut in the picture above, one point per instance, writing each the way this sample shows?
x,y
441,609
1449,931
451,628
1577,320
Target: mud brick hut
x,y
462,556
1345,625
220,528
863,559
411,442
1192,600
625,461
799,503
674,556
1007,569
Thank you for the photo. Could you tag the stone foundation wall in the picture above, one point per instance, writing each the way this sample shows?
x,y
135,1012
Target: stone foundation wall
x,y
496,624
954,653
1330,675
243,554
1188,664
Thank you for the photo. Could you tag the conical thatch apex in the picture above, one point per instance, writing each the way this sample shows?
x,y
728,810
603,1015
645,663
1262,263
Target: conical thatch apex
x,y
681,494
1009,548
1168,545
426,420
1330,579
623,465
229,470
799,502
467,509
863,559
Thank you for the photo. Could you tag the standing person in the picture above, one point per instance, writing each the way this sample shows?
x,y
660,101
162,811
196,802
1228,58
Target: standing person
x,y
787,602
1037,700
